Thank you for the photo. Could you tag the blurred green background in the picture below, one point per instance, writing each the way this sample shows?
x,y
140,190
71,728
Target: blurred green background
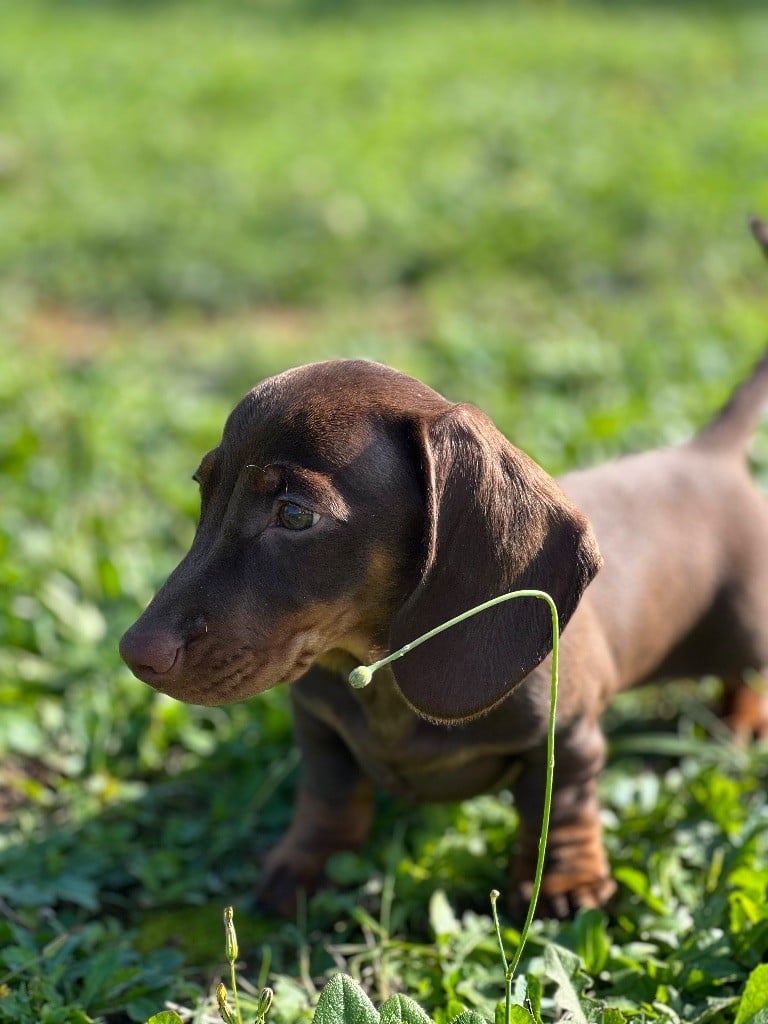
x,y
539,207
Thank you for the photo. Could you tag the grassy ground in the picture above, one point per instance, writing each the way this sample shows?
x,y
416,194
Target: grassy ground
x,y
536,207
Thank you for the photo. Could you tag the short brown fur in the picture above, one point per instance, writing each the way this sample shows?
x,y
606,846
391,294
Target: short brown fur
x,y
424,509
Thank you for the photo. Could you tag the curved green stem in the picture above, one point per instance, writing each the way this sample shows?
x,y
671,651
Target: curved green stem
x,y
361,676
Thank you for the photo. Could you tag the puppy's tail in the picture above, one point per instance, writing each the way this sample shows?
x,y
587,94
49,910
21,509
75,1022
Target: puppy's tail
x,y
732,428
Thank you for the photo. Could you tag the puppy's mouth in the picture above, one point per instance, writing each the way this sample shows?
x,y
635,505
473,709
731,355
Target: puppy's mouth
x,y
213,666
234,677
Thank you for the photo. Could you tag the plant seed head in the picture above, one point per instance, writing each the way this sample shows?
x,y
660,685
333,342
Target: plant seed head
x,y
230,936
360,677
265,1001
224,1011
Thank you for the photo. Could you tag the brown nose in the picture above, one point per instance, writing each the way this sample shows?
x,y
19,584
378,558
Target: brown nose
x,y
149,655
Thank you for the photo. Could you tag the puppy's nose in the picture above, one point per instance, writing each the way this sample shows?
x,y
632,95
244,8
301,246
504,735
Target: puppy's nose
x,y
149,655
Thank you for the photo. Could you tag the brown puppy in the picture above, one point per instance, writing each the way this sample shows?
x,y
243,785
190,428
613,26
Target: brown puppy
x,y
349,508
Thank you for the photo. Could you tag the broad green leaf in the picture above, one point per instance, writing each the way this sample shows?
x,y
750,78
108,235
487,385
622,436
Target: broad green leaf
x,y
753,1008
342,1001
519,1015
63,1015
639,883
562,967
526,997
612,1016
533,997
401,1009
453,1008
101,969
441,916
165,1017
18,960
469,1017
715,1008
592,943
761,1017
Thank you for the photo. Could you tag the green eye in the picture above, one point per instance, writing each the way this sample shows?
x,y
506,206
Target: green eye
x,y
294,517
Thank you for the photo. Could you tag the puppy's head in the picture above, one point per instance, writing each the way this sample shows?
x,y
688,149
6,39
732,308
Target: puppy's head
x,y
349,507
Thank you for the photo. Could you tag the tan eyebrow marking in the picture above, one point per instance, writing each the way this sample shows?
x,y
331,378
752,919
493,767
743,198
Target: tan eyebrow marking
x,y
316,486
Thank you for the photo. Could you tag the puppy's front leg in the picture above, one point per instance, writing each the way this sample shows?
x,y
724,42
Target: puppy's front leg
x,y
576,872
333,812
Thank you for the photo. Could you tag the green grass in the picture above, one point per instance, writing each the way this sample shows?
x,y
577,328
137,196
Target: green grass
x,y
536,207
263,157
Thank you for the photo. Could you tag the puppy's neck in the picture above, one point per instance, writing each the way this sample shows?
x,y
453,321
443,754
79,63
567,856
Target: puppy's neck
x,y
387,715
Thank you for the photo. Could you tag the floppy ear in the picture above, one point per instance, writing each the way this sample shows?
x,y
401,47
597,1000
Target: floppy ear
x,y
495,522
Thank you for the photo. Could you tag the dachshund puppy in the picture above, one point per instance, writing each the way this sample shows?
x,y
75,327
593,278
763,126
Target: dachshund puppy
x,y
350,508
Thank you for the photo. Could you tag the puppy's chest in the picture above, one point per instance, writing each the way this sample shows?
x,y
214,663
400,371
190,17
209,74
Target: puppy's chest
x,y
410,757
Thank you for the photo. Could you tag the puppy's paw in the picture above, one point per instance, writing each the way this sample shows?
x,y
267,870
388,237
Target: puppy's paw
x,y
562,895
745,712
288,871
744,708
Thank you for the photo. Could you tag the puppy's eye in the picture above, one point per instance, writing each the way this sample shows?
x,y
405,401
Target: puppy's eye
x,y
196,477
295,517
